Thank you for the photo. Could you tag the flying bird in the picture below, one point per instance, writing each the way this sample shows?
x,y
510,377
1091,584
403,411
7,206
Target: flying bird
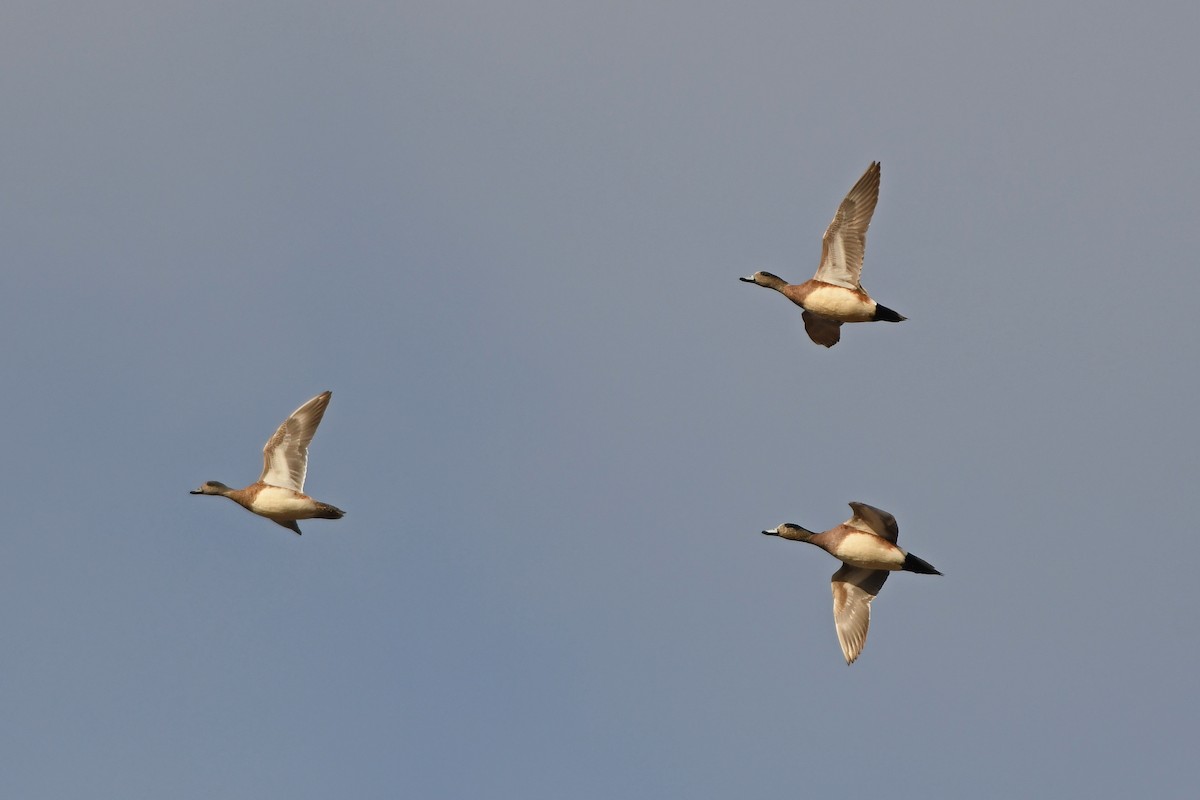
x,y
866,546
278,494
835,294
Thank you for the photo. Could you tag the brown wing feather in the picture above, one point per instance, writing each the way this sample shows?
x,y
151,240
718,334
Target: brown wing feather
x,y
874,520
822,330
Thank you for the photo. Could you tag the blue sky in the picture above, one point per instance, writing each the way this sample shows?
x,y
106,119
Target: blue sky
x,y
507,236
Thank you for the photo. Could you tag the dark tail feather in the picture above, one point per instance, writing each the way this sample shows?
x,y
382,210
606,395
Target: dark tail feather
x,y
887,315
914,564
326,511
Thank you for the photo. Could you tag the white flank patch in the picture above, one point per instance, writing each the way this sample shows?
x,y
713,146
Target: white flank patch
x,y
868,551
838,303
279,503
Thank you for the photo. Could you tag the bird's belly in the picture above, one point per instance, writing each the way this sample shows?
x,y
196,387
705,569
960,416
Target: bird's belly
x,y
869,552
275,502
837,302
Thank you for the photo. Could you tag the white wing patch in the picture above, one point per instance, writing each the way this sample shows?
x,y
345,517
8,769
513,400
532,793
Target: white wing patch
x,y
853,591
285,456
845,242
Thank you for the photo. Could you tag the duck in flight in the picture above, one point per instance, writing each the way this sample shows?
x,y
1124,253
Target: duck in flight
x,y
278,494
866,546
835,294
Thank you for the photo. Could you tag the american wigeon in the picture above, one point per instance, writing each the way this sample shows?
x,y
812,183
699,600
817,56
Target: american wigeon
x,y
866,546
278,494
835,294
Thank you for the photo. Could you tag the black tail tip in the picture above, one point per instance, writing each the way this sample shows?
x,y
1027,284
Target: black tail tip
x,y
331,512
914,564
885,314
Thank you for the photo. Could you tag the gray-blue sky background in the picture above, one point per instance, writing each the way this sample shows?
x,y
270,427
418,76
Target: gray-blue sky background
x,y
507,236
